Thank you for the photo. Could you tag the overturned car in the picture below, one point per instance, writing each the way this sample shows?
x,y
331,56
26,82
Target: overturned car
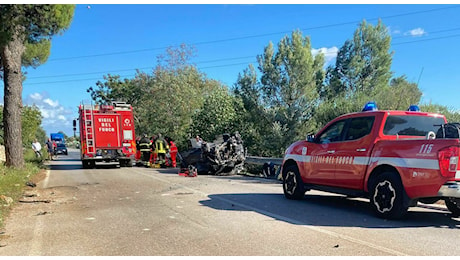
x,y
224,156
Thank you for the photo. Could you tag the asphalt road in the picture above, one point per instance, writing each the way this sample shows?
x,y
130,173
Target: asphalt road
x,y
112,211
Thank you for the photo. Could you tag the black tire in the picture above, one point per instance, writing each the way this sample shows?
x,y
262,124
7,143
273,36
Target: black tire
x,y
293,186
129,163
86,164
388,197
122,163
453,204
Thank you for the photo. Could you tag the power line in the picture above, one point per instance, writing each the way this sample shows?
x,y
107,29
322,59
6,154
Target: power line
x,y
426,40
121,70
257,35
124,76
243,57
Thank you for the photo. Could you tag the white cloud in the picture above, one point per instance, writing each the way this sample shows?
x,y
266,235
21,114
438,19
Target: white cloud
x,y
416,32
55,116
36,96
51,102
392,31
329,53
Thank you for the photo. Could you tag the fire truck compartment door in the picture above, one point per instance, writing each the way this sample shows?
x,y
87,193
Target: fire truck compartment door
x,y
107,130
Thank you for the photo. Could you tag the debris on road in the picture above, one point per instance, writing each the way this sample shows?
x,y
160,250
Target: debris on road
x,y
34,201
31,184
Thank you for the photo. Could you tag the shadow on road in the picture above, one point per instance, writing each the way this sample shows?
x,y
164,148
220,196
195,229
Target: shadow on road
x,y
68,164
321,210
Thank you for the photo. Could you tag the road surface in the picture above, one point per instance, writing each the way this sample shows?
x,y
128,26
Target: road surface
x,y
111,211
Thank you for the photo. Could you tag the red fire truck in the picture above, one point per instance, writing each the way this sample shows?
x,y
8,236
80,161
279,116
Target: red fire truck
x,y
107,134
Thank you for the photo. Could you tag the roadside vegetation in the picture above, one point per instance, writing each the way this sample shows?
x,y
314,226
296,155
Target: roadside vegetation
x,y
13,182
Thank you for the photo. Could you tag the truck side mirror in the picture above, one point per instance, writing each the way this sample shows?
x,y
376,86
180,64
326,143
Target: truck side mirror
x,y
74,124
311,138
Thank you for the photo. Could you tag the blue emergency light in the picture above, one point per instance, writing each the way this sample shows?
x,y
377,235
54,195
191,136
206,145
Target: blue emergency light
x,y
414,108
370,106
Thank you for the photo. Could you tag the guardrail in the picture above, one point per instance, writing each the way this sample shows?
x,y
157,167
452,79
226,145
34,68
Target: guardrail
x,y
271,165
262,160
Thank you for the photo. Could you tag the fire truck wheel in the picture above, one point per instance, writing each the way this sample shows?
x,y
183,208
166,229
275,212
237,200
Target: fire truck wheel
x,y
453,204
388,197
293,186
126,163
86,164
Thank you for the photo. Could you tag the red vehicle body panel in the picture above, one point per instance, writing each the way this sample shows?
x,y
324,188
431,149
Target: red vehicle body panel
x,y
107,130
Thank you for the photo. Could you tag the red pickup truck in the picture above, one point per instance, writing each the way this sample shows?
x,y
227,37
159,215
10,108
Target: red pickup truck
x,y
393,158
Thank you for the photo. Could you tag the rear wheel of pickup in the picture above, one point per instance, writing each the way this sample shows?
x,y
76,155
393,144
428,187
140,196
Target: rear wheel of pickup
x,y
388,197
453,204
293,186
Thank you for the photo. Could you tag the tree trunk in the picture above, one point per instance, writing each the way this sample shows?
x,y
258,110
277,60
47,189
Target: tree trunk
x,y
11,58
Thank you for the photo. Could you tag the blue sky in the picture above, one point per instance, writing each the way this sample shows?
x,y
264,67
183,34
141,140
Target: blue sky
x,y
118,39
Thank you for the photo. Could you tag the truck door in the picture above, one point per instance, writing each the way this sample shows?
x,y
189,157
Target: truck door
x,y
323,154
353,153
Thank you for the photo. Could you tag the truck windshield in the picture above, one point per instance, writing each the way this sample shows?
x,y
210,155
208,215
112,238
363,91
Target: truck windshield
x,y
412,125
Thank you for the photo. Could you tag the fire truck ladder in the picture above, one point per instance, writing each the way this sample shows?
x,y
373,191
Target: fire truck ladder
x,y
89,128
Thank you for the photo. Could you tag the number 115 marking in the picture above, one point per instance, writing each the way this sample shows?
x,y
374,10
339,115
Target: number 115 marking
x,y
426,148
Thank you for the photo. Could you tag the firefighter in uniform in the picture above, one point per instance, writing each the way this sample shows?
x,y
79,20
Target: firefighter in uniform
x,y
144,147
161,147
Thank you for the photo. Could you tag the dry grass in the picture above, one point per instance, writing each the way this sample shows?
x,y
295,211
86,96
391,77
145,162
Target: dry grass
x,y
13,182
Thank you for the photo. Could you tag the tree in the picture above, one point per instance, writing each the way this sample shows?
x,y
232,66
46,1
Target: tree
x,y
289,83
255,120
165,100
362,73
221,113
451,115
31,126
399,95
25,37
363,63
31,129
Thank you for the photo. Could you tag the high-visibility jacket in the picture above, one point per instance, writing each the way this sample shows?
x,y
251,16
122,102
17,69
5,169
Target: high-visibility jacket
x,y
161,146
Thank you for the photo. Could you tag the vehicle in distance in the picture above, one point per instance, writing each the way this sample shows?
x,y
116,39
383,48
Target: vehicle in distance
x,y
393,158
57,137
60,149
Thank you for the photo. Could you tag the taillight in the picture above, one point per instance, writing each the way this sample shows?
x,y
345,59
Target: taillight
x,y
448,161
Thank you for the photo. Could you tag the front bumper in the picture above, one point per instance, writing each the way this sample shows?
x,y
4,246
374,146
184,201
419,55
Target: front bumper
x,y
450,189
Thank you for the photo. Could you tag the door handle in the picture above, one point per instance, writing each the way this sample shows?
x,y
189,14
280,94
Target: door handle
x,y
361,150
331,151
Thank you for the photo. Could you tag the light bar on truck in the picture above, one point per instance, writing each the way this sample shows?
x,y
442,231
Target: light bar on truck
x,y
370,106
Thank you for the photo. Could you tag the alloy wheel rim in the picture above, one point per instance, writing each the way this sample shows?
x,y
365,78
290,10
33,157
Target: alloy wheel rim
x,y
290,183
384,196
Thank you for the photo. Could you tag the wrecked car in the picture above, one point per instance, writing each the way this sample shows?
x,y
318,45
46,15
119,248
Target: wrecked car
x,y
224,156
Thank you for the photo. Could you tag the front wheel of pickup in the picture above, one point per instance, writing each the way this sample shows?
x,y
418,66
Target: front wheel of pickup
x,y
453,204
388,197
293,186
